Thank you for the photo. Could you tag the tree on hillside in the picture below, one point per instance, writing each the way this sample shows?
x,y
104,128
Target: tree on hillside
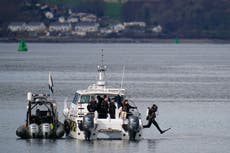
x,y
193,18
9,9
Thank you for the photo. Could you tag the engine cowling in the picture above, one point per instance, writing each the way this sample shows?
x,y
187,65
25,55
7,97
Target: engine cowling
x,y
88,125
33,130
88,122
133,127
45,130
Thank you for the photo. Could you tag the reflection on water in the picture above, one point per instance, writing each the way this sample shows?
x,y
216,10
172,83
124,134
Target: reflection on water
x,y
112,146
151,144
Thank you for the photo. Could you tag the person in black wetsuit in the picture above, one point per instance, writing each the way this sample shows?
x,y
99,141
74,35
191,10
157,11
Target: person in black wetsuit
x,y
151,119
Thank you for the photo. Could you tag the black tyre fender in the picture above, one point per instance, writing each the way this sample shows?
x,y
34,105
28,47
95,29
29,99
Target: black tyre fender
x,y
67,127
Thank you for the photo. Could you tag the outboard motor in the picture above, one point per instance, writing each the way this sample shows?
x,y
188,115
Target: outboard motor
x,y
88,121
45,130
67,127
33,130
133,127
88,125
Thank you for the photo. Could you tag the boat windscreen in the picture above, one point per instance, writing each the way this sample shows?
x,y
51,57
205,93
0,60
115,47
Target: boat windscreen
x,y
85,99
75,99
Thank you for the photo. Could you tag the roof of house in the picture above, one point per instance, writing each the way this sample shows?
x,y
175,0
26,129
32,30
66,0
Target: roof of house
x,y
87,24
60,24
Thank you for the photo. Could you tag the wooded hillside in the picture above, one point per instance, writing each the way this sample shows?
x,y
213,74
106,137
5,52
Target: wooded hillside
x,y
184,18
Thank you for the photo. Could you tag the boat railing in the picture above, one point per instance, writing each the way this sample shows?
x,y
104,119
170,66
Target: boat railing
x,y
94,87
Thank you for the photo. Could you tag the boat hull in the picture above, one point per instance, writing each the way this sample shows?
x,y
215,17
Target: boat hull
x,y
106,129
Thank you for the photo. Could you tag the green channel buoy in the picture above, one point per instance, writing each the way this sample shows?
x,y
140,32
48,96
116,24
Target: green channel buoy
x,y
22,46
177,41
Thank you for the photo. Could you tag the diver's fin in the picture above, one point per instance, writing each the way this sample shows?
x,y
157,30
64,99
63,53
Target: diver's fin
x,y
165,130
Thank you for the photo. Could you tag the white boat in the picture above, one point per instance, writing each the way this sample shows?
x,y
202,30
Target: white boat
x,y
84,125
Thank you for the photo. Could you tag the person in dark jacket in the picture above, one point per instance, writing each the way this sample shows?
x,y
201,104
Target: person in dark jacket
x,y
103,107
125,109
118,101
151,119
112,109
92,106
99,99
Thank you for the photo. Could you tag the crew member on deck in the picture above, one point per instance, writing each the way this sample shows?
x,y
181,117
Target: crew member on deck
x,y
92,106
102,106
112,109
125,109
118,100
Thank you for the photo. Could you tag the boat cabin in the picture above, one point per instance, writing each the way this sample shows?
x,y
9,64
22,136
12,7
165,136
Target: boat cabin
x,y
83,98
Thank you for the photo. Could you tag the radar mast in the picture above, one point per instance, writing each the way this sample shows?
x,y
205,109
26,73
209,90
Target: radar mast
x,y
101,71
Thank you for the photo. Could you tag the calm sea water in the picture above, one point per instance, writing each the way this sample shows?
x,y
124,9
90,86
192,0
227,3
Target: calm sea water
x,y
189,82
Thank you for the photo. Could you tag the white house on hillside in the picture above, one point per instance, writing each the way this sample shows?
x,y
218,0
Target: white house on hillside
x,y
17,26
118,27
157,29
60,27
88,18
82,28
135,23
73,19
35,27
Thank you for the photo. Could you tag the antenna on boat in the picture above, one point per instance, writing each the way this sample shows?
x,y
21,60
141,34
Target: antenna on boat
x,y
123,74
102,57
101,71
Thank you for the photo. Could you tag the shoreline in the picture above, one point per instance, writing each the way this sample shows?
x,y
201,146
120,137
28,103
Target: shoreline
x,y
114,40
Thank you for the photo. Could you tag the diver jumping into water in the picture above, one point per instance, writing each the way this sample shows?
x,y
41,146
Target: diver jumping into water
x,y
151,119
